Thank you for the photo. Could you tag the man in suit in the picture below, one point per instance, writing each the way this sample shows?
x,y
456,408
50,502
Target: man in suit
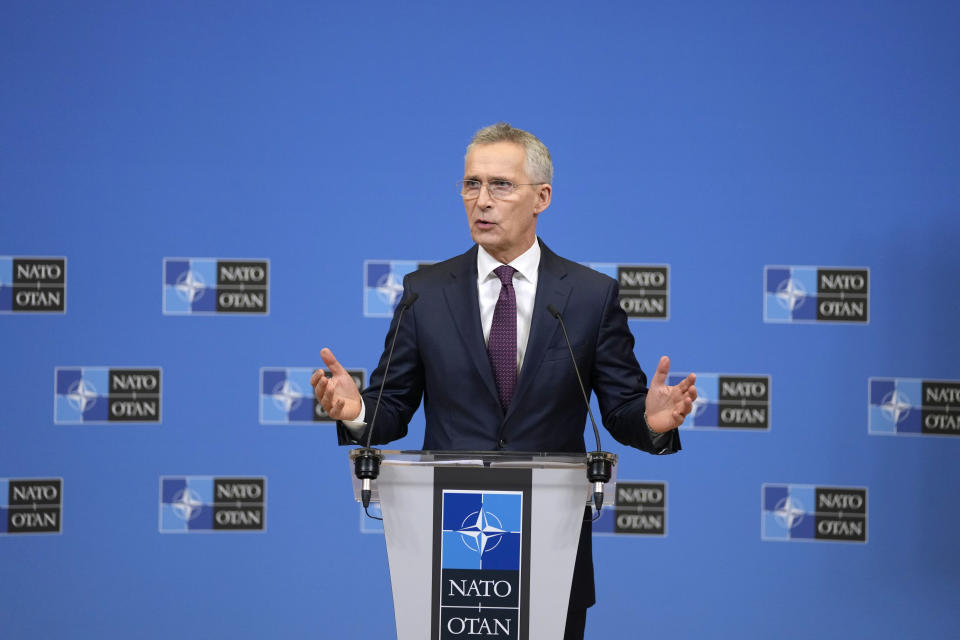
x,y
489,360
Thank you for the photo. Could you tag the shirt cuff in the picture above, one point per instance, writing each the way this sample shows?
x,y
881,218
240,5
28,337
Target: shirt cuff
x,y
357,425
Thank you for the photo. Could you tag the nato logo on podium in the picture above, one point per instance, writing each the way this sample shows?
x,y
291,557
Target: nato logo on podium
x,y
480,562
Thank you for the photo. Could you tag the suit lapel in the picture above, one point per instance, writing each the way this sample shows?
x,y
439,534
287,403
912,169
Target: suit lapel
x,y
551,289
461,295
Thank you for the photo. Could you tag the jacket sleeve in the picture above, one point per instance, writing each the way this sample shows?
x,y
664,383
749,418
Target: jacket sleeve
x,y
621,385
403,389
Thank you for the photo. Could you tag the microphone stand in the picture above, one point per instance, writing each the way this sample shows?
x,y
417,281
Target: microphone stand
x,y
599,463
366,460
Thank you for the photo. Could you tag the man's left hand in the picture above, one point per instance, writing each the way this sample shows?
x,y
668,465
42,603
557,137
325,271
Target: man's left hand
x,y
668,406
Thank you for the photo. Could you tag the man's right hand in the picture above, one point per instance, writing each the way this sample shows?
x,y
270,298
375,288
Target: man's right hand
x,y
338,394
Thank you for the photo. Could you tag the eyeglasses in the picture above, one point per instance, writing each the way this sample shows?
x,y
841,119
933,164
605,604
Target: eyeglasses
x,y
498,189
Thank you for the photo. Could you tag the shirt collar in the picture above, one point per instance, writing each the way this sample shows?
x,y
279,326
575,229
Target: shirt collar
x,y
526,263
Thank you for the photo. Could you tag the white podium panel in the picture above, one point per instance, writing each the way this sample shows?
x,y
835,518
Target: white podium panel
x,y
481,544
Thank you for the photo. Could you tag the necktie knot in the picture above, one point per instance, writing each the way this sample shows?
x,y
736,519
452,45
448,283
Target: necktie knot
x,y
505,273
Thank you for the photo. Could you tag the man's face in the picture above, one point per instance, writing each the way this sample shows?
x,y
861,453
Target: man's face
x,y
506,227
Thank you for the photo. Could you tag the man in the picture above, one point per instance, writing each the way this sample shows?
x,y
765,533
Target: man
x,y
490,361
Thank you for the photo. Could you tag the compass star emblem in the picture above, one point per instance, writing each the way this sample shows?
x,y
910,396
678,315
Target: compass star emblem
x,y
190,286
481,531
287,395
187,504
791,294
896,406
789,512
700,404
82,395
389,289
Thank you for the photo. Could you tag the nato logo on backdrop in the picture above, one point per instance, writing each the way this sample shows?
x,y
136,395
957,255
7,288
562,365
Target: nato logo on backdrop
x,y
912,406
286,396
644,288
480,547
30,284
640,508
202,504
806,513
208,286
107,395
383,285
816,294
728,401
30,505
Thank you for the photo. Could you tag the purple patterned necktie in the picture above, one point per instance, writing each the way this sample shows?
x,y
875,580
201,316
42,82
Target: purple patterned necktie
x,y
502,345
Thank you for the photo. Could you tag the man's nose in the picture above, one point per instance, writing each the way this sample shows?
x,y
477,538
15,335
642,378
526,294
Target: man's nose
x,y
485,200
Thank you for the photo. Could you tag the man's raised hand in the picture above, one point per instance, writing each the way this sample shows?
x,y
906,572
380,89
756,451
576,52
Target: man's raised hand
x,y
668,406
338,394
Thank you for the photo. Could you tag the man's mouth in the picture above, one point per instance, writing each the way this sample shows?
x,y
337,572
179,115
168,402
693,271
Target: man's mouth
x,y
485,224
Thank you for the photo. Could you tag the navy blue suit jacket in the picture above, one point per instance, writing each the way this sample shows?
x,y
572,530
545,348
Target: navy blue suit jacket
x,y
441,357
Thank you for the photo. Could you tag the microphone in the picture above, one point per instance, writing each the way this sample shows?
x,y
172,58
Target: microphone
x,y
366,461
599,462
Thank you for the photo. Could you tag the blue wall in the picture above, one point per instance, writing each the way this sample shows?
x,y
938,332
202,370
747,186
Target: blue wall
x,y
713,137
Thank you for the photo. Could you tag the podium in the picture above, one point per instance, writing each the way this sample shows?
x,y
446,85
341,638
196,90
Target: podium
x,y
481,544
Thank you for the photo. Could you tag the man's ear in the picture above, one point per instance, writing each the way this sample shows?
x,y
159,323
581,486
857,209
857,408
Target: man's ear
x,y
544,193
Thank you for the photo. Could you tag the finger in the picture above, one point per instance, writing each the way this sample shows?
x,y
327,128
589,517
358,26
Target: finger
x,y
320,386
687,382
331,362
328,395
692,393
317,375
663,368
337,412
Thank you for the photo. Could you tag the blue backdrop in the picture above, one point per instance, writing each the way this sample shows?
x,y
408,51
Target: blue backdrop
x,y
714,137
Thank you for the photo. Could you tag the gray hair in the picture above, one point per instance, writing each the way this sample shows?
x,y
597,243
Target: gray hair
x,y
539,166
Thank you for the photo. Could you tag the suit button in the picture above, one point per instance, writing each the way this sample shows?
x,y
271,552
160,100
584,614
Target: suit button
x,y
502,443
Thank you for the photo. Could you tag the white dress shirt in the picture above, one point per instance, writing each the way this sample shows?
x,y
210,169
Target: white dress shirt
x,y
527,265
